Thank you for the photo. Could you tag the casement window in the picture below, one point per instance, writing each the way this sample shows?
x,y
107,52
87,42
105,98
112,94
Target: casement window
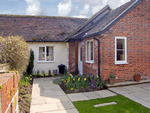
x,y
46,54
120,50
89,51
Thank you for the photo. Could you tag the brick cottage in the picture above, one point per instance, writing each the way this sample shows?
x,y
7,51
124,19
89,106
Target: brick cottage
x,y
113,42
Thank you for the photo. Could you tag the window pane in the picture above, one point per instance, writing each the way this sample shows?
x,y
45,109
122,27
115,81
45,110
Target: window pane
x,y
41,53
120,44
91,50
50,54
87,51
120,55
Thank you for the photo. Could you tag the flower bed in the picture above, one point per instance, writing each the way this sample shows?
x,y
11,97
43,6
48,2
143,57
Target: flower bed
x,y
78,83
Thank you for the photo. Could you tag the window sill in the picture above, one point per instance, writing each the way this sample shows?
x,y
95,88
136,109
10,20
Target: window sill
x,y
91,62
45,61
121,63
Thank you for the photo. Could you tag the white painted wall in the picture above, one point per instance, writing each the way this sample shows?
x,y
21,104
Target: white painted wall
x,y
60,55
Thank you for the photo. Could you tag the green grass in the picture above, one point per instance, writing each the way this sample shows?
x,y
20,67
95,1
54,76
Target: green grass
x,y
124,105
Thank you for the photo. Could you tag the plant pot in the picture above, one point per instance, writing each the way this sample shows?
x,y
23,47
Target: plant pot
x,y
137,78
112,80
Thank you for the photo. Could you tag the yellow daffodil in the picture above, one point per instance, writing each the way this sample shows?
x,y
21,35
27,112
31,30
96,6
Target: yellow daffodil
x,y
73,79
97,76
84,78
71,89
70,74
78,79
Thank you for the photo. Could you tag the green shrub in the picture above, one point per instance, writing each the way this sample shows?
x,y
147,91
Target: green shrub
x,y
38,72
14,51
112,76
49,73
31,63
24,81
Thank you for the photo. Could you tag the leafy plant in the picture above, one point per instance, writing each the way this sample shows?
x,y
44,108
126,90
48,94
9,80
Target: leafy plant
x,y
31,62
49,72
14,51
43,73
112,76
138,74
0,87
38,72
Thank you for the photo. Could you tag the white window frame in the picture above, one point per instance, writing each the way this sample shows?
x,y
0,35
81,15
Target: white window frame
x,y
125,61
90,61
45,53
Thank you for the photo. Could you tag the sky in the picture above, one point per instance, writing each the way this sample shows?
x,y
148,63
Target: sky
x,y
67,8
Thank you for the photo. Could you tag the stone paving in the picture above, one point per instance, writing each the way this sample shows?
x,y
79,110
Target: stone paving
x,y
139,93
50,98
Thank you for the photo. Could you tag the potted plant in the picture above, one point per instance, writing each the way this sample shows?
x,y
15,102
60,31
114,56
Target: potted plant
x,y
137,77
112,79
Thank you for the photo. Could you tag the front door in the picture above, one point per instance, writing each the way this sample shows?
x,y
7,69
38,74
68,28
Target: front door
x,y
80,63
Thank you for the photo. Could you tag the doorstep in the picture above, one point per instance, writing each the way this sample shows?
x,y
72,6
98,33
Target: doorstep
x,y
128,83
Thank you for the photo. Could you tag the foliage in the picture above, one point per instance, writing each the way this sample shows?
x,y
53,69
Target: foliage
x,y
24,81
31,63
38,72
49,72
74,82
124,105
84,81
14,51
138,74
112,76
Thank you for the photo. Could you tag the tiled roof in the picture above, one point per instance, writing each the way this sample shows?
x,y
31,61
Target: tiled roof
x,y
100,25
39,28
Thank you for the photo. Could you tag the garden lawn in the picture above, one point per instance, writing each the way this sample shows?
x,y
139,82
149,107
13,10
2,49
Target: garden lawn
x,y
124,105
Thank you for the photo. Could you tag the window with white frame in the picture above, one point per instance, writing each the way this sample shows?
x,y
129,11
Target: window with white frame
x,y
46,53
120,50
89,51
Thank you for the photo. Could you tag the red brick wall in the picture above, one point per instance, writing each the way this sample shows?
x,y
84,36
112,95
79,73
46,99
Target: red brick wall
x,y
7,82
88,68
73,57
135,25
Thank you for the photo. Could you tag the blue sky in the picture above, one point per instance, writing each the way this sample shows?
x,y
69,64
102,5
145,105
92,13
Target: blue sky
x,y
71,8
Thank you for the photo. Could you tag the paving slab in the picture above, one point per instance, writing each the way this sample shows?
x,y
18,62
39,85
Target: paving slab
x,y
142,102
146,88
143,85
38,101
105,93
120,90
65,105
142,95
105,104
91,95
77,97
43,107
49,98
130,96
57,99
134,88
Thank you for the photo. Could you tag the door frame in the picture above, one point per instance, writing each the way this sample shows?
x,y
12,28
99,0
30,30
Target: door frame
x,y
80,63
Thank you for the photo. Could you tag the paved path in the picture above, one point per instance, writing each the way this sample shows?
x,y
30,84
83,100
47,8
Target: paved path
x,y
50,98
138,93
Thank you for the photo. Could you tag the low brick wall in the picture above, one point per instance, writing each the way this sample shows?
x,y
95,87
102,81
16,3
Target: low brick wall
x,y
9,92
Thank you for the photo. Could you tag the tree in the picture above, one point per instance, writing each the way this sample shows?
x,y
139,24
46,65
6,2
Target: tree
x,y
15,52
31,63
